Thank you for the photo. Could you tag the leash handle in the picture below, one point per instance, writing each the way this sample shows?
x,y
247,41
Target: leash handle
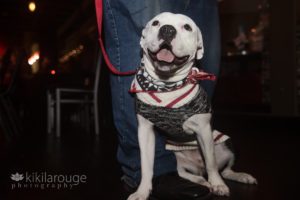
x,y
99,15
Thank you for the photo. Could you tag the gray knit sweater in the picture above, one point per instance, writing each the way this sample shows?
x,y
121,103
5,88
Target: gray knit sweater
x,y
170,120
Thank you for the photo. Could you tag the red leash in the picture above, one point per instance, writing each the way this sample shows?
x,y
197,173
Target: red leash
x,y
99,14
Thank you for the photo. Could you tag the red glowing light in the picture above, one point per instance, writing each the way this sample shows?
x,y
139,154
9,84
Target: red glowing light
x,y
53,72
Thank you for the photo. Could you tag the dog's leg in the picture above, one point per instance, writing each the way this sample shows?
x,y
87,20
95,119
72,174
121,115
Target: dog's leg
x,y
146,138
229,174
200,124
191,167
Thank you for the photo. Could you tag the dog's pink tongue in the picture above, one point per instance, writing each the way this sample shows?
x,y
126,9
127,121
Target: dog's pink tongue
x,y
165,55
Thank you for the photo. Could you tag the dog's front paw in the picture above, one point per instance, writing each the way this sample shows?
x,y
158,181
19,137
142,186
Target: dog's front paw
x,y
220,190
141,194
218,187
138,196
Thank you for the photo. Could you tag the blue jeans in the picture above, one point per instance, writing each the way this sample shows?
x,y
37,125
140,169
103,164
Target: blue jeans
x,y
123,24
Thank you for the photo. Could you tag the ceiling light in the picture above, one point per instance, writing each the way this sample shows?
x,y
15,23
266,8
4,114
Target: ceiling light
x,y
32,6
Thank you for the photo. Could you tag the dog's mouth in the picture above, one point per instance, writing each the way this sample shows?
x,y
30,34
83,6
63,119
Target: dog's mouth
x,y
165,56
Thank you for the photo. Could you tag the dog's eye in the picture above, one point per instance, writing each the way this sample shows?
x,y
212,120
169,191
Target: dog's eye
x,y
155,23
187,27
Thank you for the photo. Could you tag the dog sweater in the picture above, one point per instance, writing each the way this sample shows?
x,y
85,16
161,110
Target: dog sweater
x,y
170,120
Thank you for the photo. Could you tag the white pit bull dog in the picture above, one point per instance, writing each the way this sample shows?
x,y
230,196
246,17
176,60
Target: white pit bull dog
x,y
170,99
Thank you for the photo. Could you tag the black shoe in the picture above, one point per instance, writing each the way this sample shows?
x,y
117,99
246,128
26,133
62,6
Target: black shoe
x,y
172,187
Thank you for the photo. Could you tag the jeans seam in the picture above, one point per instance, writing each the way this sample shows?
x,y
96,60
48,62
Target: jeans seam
x,y
114,27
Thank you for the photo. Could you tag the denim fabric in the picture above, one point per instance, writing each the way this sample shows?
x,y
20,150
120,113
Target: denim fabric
x,y
123,24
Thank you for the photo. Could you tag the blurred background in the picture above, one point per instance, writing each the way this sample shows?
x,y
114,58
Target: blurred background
x,y
49,56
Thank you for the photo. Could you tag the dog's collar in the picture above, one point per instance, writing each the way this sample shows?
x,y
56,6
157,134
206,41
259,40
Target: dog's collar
x,y
148,83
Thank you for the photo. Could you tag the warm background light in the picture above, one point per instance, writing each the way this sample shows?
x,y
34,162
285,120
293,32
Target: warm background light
x,y
31,6
34,58
53,72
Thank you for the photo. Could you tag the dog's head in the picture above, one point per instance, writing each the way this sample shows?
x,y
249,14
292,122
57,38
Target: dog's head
x,y
171,43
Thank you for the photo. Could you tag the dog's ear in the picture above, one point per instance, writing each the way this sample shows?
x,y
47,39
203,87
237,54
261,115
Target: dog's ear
x,y
200,48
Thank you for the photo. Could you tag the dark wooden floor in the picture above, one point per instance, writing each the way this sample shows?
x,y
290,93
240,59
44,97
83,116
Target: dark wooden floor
x,y
267,147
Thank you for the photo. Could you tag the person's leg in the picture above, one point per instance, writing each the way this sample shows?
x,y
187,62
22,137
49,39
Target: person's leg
x,y
124,20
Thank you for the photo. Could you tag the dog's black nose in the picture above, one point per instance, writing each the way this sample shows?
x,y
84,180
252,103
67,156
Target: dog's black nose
x,y
167,33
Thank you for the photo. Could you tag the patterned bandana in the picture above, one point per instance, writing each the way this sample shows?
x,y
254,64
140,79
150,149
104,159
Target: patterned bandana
x,y
148,83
